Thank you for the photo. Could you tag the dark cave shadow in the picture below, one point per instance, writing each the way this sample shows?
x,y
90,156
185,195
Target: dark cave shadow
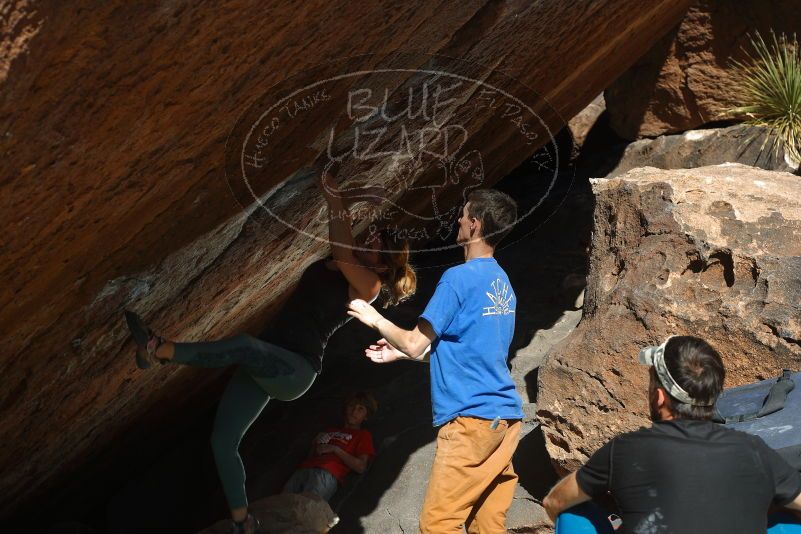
x,y
404,429
533,466
547,259
532,380
602,149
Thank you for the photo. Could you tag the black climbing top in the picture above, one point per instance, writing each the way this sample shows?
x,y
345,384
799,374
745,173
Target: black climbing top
x,y
314,311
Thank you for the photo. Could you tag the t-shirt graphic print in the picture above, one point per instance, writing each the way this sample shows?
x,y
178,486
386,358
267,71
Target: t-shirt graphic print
x,y
502,299
353,441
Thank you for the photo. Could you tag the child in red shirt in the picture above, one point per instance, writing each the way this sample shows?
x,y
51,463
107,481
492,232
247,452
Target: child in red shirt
x,y
337,451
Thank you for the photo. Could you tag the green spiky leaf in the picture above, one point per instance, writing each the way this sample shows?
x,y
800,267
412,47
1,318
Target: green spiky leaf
x,y
768,89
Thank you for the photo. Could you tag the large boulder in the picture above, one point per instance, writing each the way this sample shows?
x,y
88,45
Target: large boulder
x,y
684,80
713,252
115,118
741,143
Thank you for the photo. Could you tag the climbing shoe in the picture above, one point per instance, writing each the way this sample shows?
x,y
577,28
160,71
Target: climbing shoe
x,y
249,526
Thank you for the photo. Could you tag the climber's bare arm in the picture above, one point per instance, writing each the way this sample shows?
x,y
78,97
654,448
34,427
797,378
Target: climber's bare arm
x,y
364,282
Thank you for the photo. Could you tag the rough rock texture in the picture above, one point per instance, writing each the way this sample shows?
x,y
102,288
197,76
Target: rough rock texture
x,y
684,80
113,120
699,148
581,124
19,26
287,514
713,252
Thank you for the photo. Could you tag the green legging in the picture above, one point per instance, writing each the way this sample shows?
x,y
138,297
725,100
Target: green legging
x,y
265,371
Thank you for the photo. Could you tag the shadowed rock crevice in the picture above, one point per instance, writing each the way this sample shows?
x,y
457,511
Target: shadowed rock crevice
x,y
724,259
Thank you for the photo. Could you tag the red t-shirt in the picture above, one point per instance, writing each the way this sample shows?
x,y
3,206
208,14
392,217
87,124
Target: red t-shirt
x,y
353,441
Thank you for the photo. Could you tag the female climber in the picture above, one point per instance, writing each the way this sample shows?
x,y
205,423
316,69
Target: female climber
x,y
285,359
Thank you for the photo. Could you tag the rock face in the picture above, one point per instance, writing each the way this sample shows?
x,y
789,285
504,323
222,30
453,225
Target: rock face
x,y
582,122
713,252
113,194
699,148
287,514
684,80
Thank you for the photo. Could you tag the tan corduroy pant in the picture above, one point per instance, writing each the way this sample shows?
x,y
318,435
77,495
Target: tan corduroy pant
x,y
472,480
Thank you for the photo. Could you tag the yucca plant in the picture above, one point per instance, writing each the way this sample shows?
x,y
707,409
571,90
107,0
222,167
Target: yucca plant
x,y
768,90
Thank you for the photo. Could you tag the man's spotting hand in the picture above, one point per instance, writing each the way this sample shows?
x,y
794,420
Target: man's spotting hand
x,y
383,352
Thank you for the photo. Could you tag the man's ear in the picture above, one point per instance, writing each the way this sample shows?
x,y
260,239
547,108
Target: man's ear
x,y
662,399
476,225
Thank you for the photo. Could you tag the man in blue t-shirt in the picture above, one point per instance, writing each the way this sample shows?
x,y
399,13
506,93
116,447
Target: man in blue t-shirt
x,y
465,333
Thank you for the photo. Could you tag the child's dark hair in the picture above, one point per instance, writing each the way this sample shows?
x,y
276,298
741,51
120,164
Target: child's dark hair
x,y
365,398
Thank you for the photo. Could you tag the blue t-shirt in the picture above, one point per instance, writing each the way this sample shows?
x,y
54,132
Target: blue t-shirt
x,y
473,314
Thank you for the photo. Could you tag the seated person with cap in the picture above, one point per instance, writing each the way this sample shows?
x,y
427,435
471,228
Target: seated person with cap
x,y
337,451
685,474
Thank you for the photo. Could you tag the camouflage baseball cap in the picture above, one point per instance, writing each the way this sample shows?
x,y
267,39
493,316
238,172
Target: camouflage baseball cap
x,y
655,356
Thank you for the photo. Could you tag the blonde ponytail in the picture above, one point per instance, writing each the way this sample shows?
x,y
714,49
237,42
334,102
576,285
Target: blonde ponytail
x,y
399,281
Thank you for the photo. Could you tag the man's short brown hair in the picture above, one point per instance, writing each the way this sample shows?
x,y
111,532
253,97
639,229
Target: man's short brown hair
x,y
698,369
496,211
